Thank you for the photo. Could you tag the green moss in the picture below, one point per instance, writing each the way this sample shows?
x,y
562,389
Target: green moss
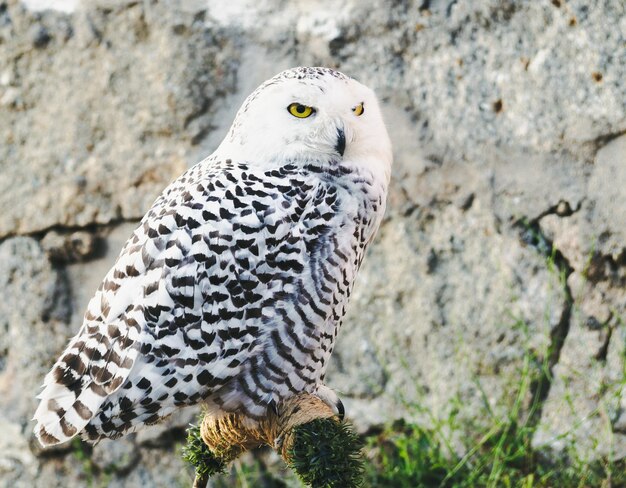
x,y
327,454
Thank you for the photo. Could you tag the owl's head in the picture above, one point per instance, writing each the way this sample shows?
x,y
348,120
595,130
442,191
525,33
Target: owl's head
x,y
311,115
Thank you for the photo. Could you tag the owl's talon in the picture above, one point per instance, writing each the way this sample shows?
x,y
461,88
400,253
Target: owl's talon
x,y
274,406
341,411
330,398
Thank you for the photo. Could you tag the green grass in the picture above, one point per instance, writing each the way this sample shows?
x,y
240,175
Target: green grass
x,y
497,452
410,456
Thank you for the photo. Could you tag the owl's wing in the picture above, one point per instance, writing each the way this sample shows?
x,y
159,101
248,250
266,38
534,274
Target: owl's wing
x,y
179,313
99,358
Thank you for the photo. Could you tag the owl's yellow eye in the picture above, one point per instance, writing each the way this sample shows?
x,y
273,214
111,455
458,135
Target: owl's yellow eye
x,y
358,110
300,111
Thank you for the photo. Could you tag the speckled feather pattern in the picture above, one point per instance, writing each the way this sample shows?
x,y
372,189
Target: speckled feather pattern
x,y
230,292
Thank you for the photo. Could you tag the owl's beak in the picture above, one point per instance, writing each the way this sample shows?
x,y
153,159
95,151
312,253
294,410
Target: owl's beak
x,y
340,146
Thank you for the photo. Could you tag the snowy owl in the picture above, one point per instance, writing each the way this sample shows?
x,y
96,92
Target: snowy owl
x,y
232,289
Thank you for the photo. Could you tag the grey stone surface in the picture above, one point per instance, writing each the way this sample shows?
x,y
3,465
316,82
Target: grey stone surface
x,y
607,200
587,398
34,313
101,111
503,246
474,303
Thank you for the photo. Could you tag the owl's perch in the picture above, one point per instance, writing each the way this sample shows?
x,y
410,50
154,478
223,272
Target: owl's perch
x,y
304,431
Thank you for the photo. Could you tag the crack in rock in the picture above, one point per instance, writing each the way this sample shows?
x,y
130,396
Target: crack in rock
x,y
531,234
59,228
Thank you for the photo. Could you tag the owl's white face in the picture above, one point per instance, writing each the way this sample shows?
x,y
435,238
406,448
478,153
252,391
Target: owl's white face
x,y
306,115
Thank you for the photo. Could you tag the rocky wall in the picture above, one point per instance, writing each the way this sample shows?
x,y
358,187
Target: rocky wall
x,y
503,253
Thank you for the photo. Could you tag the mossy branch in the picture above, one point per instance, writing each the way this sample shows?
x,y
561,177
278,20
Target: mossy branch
x,y
324,451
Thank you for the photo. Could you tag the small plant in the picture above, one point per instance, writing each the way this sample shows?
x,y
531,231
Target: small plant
x,y
82,452
196,453
96,476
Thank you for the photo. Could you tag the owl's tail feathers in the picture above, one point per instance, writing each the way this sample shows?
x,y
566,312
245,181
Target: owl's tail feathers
x,y
68,402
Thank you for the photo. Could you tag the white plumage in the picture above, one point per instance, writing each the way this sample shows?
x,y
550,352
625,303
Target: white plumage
x,y
232,289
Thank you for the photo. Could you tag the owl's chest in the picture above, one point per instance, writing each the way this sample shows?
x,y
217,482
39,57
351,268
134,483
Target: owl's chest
x,y
331,228
337,212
